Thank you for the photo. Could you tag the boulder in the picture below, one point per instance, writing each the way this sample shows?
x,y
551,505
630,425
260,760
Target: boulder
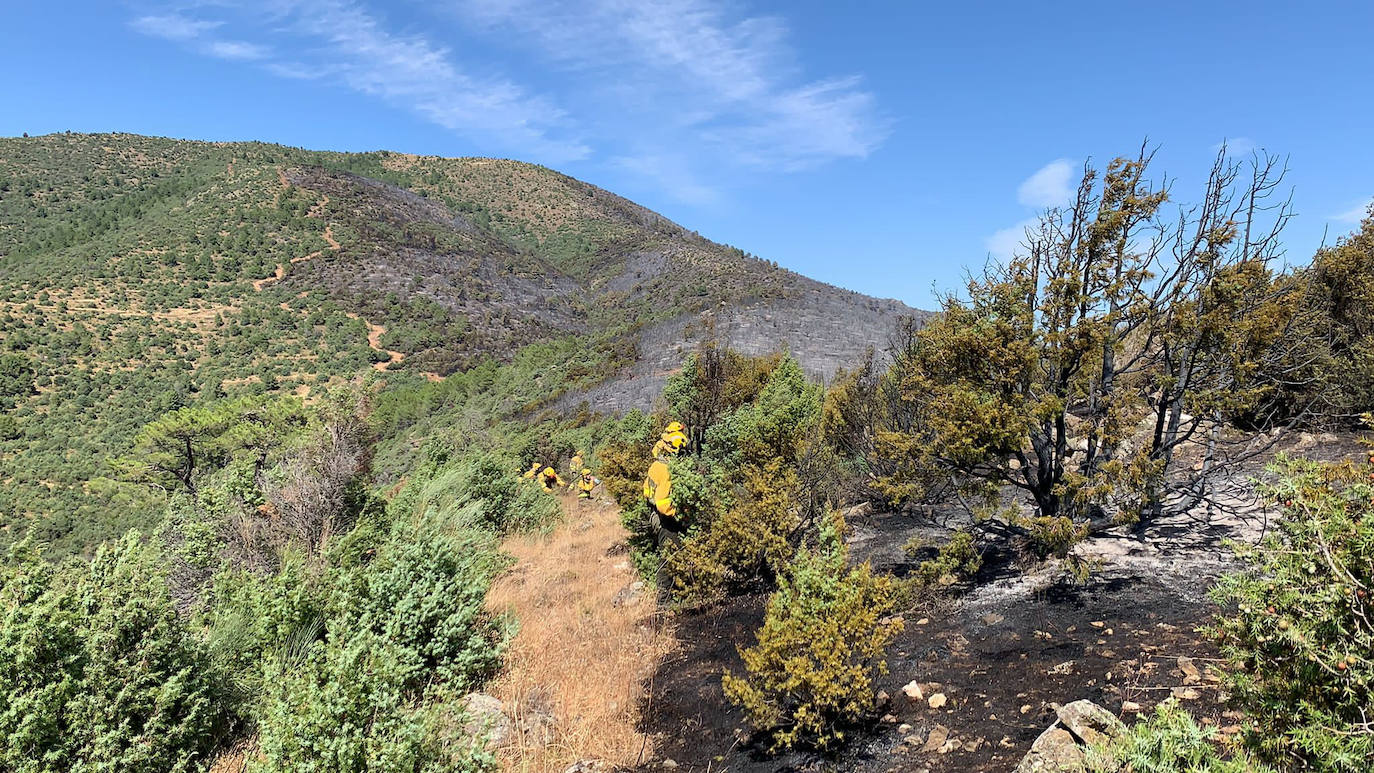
x,y
1060,748
1089,722
484,715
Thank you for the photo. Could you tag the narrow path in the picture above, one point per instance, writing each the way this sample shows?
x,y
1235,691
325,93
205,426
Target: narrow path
x,y
588,642
374,340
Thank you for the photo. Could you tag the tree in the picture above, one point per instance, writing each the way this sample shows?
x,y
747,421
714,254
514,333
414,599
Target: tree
x,y
1077,369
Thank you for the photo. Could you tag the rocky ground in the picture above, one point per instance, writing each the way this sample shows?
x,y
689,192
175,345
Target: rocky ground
x,y
978,676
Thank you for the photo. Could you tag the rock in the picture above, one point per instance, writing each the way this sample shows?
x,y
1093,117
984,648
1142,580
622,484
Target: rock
x,y
912,690
627,595
882,698
1089,721
937,700
1130,707
1191,673
904,729
1063,668
586,766
938,735
668,763
1055,751
486,716
1185,693
992,618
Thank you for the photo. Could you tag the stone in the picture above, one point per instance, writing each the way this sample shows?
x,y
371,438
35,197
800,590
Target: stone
x,y
1130,707
938,735
992,618
668,763
1185,693
938,700
882,698
1191,673
913,691
1054,751
904,729
586,766
1089,721
485,715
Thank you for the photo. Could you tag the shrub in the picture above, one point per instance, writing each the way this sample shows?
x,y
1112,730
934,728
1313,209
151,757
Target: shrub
x,y
821,646
97,672
1299,637
405,636
958,559
1168,741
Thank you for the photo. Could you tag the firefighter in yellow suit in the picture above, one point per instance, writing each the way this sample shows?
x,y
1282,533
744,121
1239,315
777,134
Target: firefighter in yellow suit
x,y
532,471
575,464
658,487
550,480
585,485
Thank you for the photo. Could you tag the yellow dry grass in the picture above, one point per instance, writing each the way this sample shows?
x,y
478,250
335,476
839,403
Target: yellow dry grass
x,y
584,653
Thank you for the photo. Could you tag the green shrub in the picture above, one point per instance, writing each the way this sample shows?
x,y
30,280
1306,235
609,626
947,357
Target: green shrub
x,y
812,671
405,636
1168,741
1299,638
958,559
97,672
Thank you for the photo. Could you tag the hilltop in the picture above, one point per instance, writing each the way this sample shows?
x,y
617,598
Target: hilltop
x,y
138,274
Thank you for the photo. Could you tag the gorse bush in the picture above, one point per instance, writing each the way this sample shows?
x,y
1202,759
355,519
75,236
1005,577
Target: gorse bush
x,y
1299,638
811,673
97,671
1168,741
958,559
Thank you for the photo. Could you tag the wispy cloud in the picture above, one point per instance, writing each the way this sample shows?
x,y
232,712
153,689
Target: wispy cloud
x,y
670,91
1237,146
1355,214
237,50
702,69
172,26
344,41
1049,186
1052,185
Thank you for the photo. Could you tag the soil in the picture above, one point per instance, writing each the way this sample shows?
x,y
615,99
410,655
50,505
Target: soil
x,y
1002,650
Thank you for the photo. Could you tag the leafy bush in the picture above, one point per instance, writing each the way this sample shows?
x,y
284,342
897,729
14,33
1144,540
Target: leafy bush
x,y
958,559
97,672
1299,638
1168,741
406,635
489,482
821,646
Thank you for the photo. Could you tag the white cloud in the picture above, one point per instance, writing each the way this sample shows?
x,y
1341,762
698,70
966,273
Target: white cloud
x,y
237,50
673,174
1004,243
1355,214
696,67
172,26
1048,187
1237,146
340,39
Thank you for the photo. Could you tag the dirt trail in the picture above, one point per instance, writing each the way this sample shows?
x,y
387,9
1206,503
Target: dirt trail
x,y
374,340
590,638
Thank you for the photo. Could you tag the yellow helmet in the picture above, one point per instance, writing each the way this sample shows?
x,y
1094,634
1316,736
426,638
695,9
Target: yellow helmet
x,y
586,471
549,471
674,426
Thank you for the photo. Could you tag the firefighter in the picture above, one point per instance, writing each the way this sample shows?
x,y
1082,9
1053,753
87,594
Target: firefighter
x,y
575,464
532,471
585,484
550,480
658,488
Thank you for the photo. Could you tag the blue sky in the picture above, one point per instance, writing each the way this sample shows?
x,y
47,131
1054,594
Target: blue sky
x,y
883,147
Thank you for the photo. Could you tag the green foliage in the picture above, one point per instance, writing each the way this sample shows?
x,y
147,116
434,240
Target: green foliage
x,y
97,671
1298,633
483,491
1168,741
958,559
811,673
406,636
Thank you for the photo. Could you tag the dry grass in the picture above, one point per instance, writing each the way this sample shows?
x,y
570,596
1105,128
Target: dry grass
x,y
580,658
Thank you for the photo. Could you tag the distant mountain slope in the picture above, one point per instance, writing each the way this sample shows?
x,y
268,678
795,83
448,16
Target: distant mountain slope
x,y
138,274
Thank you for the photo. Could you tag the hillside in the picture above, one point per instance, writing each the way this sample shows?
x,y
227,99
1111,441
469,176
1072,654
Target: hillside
x,y
138,274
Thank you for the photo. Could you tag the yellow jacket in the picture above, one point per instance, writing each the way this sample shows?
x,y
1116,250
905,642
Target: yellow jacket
x,y
658,488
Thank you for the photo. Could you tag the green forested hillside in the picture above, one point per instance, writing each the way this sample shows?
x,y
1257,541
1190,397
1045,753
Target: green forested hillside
x,y
139,274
